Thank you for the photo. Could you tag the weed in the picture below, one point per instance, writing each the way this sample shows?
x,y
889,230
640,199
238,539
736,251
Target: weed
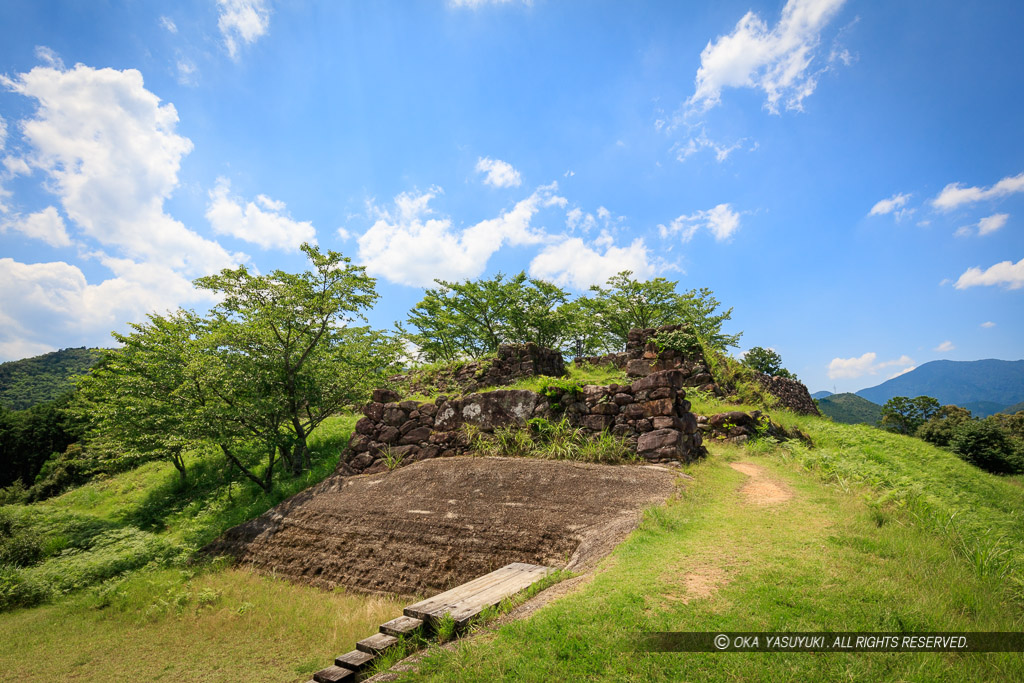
x,y
445,628
392,459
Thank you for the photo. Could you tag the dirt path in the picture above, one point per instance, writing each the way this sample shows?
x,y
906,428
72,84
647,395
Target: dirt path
x,y
442,522
761,489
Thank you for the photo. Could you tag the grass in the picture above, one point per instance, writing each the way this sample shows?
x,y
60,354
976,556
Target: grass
x,y
551,441
170,625
708,561
143,518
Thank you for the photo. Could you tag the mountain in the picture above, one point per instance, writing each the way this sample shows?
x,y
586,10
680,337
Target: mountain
x,y
30,381
956,382
1014,409
850,409
821,394
983,408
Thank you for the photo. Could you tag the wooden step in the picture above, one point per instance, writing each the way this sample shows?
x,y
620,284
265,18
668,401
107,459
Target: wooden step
x,y
334,674
354,660
376,643
402,626
465,602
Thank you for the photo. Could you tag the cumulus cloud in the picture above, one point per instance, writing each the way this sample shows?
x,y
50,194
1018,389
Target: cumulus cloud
x,y
990,224
721,221
168,24
945,346
955,194
887,206
264,222
411,245
1006,273
498,173
776,60
46,225
867,364
988,324
109,151
573,263
52,59
242,21
52,301
188,72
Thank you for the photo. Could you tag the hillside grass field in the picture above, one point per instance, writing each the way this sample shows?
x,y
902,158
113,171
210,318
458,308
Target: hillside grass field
x,y
866,531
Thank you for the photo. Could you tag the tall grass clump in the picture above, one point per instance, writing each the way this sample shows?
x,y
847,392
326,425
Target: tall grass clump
x,y
552,441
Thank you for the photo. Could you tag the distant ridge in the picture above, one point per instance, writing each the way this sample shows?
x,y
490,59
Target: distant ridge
x,y
30,381
822,394
957,382
850,409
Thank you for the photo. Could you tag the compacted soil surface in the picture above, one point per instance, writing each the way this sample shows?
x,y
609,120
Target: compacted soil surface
x,y
437,523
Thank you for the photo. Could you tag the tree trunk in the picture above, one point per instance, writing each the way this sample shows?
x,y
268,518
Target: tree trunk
x,y
244,470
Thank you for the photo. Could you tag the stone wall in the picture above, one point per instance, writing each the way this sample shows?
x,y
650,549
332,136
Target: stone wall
x,y
513,362
642,357
651,415
791,394
739,427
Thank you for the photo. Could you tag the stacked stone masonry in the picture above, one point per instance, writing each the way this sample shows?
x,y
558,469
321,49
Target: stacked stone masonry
x,y
513,362
643,357
651,415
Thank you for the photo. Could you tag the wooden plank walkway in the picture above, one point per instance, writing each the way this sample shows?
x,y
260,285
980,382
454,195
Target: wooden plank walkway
x,y
463,603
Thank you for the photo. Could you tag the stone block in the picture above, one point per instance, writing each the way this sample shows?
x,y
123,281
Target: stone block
x,y
597,423
663,406
659,438
416,435
385,396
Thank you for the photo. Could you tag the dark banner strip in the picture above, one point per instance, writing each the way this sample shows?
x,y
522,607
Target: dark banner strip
x,y
847,641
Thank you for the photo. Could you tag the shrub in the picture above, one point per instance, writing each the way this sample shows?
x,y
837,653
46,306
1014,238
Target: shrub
x,y
984,445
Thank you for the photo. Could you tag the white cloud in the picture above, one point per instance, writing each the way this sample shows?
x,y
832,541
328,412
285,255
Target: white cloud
x,y
852,368
988,324
3,133
242,20
954,194
264,222
701,142
992,223
410,245
52,301
187,71
902,372
886,206
1006,273
499,173
109,151
721,221
572,263
775,60
945,347
168,24
46,225
52,59
343,234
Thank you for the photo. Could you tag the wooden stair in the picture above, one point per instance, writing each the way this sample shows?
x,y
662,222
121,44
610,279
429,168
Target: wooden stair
x,y
463,603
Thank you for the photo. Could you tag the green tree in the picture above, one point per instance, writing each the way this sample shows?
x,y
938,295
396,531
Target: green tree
x,y
766,361
470,319
905,415
984,444
940,427
276,356
626,303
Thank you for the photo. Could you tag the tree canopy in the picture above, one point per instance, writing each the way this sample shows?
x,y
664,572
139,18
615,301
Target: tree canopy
x,y
469,319
766,361
255,376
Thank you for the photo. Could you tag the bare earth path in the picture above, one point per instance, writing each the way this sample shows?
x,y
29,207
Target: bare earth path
x,y
442,522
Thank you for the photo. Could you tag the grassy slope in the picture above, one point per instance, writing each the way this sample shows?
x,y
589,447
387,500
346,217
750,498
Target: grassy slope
x,y
850,409
866,543
884,532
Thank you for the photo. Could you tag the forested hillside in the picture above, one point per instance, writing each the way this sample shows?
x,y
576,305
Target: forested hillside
x,y
31,381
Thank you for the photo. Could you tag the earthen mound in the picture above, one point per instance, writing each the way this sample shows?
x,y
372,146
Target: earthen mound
x,y
441,522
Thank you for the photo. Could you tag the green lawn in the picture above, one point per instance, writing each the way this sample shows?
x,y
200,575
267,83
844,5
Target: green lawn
x,y
829,558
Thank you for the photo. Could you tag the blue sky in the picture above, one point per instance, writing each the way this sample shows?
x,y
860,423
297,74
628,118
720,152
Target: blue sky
x,y
848,176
